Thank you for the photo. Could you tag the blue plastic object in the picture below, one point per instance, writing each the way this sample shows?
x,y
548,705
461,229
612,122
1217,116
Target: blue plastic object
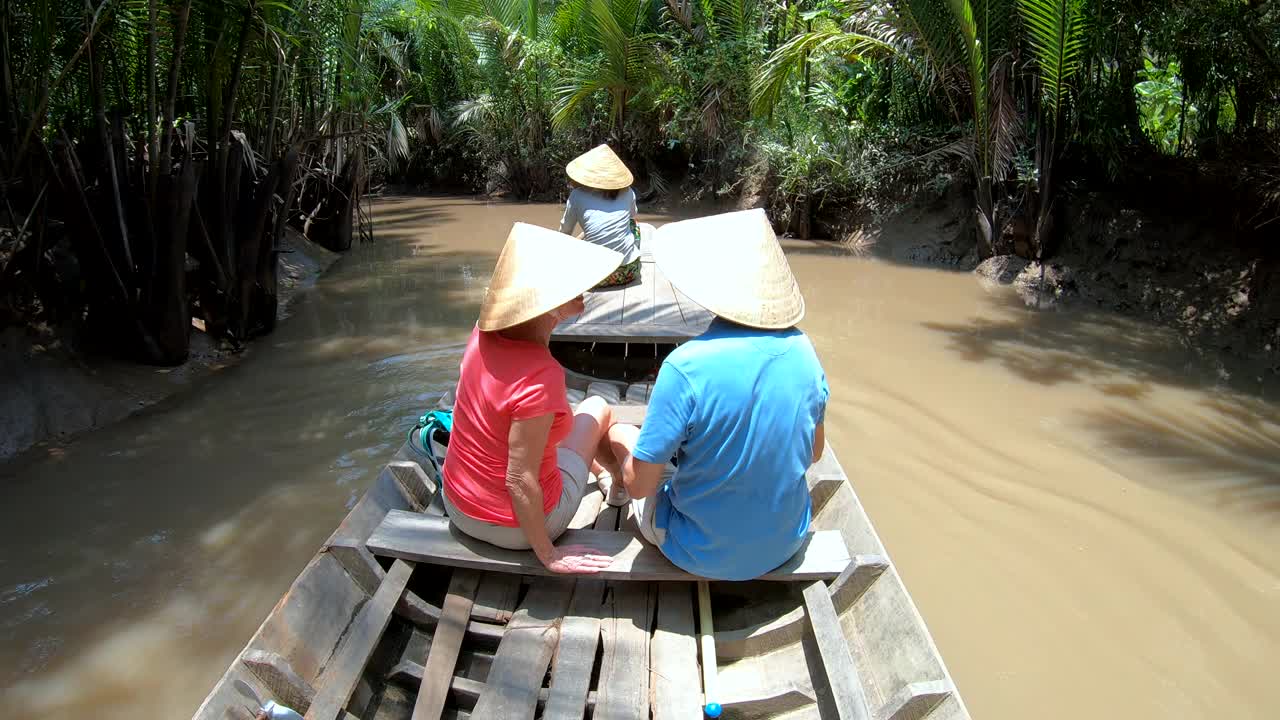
x,y
420,437
712,710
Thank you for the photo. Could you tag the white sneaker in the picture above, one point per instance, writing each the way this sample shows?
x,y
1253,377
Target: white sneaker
x,y
616,494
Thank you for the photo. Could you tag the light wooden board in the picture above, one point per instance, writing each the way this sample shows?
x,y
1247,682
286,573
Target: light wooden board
x,y
628,522
625,332
413,482
824,478
667,311
496,597
445,645
579,634
650,310
422,538
287,687
576,654
673,655
341,675
629,414
511,690
788,628
637,299
837,663
916,700
638,393
623,691
363,567
611,392
465,691
602,307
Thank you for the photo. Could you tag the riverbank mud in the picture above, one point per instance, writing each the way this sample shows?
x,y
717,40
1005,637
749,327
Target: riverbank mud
x,y
54,390
1219,295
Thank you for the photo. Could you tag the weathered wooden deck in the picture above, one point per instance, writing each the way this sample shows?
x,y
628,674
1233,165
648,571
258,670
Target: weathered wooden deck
x,y
649,310
363,637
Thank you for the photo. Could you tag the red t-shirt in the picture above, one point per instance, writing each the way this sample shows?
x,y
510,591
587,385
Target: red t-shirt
x,y
502,380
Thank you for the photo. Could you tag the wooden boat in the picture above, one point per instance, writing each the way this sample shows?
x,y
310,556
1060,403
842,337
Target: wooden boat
x,y
371,630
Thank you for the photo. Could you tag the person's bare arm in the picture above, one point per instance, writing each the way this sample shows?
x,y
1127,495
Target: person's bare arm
x,y
570,218
525,443
819,442
641,478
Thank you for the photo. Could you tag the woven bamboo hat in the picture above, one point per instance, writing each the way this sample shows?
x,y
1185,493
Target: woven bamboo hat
x,y
731,264
538,271
600,168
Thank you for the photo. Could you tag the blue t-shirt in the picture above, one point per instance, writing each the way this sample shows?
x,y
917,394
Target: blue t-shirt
x,y
738,408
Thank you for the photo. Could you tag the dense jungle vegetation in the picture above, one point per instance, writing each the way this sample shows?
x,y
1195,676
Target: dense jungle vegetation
x,y
152,152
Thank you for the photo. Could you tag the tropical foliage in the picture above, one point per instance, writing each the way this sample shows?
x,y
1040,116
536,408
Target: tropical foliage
x,y
154,151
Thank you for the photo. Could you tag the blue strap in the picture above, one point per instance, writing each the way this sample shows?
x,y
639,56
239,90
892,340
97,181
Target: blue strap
x,y
426,428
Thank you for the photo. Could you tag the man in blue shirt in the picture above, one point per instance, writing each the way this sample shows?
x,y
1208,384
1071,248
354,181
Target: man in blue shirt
x,y
740,407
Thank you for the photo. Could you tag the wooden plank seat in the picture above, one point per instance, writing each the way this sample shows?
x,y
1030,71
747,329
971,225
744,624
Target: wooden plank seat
x,y
423,538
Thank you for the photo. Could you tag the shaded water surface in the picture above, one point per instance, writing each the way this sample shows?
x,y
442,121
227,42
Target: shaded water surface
x,y
1087,518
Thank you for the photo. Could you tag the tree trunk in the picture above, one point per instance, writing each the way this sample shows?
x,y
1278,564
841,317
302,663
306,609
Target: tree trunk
x,y
277,83
8,101
179,42
264,302
153,138
251,255
1127,77
97,79
233,87
168,314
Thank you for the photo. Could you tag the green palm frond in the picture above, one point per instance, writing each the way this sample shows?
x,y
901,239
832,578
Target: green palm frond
x,y
932,26
827,40
569,17
1005,126
730,20
571,97
1056,33
474,110
628,58
976,61
397,140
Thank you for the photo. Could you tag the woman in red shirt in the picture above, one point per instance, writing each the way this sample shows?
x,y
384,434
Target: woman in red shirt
x,y
518,458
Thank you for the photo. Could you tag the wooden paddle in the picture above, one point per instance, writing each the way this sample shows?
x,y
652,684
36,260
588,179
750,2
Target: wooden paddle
x,y
706,639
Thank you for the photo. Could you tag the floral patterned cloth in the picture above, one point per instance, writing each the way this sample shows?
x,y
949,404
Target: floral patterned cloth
x,y
627,272
623,275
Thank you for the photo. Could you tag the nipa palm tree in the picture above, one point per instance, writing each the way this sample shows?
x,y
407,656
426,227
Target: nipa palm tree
x,y
620,31
965,50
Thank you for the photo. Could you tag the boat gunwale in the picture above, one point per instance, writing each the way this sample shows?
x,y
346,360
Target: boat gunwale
x,y
747,645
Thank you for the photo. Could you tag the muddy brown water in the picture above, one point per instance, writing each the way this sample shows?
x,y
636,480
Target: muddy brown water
x,y
1087,516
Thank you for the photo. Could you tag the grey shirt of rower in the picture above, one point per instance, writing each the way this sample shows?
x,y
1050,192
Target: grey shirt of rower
x,y
604,222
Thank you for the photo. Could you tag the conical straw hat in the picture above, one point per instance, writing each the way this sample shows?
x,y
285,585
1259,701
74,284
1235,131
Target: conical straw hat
x,y
731,264
538,271
600,168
